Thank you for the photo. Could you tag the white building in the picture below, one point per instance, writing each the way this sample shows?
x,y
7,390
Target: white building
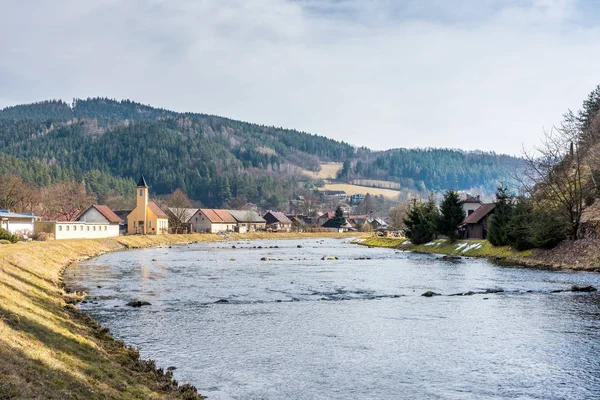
x,y
94,223
213,221
470,204
17,223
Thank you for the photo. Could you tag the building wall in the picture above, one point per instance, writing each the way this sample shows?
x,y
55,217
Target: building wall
x,y
470,207
201,223
77,230
475,231
93,215
156,225
18,225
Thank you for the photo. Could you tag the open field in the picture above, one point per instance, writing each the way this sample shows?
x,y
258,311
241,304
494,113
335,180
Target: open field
x,y
377,184
50,350
352,189
328,171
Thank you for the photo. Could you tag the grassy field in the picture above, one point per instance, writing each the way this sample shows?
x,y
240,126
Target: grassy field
x,y
467,248
352,189
580,255
328,171
50,350
377,184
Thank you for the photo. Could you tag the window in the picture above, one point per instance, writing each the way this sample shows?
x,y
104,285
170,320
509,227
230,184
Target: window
x,y
68,227
149,224
60,227
141,192
471,212
94,227
81,228
88,228
134,224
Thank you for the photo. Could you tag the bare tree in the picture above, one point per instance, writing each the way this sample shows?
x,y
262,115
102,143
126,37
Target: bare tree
x,y
397,215
13,193
179,205
557,176
65,200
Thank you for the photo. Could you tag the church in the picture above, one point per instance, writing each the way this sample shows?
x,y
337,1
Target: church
x,y
147,218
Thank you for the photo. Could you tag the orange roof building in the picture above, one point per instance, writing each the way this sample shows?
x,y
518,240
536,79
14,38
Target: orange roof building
x,y
147,218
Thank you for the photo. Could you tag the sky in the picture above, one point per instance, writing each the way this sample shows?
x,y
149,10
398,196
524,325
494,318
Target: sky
x,y
471,74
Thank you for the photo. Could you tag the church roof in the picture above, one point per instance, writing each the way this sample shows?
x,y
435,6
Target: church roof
x,y
156,210
142,182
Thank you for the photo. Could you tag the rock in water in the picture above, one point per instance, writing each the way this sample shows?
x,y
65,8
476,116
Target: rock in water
x,y
222,301
576,288
138,303
429,293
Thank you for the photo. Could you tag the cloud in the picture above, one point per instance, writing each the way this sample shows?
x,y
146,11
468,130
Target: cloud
x,y
486,74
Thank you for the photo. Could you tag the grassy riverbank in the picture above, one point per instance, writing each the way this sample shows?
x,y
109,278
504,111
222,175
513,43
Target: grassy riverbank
x,y
578,255
50,350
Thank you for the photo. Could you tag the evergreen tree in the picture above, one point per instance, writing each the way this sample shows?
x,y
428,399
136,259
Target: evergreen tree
x,y
519,229
421,222
339,219
451,215
499,225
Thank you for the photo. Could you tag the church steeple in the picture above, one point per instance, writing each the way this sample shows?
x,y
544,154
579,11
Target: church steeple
x,y
142,182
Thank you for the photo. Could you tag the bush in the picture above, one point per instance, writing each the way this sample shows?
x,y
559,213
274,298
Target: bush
x,y
42,236
4,241
6,235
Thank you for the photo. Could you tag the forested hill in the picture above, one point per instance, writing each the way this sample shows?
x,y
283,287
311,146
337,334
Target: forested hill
x,y
107,143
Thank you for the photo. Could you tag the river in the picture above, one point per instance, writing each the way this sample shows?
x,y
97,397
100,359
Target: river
x,y
299,327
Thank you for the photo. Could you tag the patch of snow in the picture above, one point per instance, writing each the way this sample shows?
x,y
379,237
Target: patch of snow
x,y
407,242
473,246
460,246
430,244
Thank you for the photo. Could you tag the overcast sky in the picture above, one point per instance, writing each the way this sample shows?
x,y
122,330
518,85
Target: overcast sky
x,y
477,74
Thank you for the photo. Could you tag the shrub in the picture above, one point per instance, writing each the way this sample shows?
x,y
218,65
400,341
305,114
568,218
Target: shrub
x,y
4,241
6,235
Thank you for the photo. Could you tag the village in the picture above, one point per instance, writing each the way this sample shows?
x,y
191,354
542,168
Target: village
x,y
147,218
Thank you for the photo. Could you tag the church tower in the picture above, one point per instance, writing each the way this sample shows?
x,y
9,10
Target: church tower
x,y
142,204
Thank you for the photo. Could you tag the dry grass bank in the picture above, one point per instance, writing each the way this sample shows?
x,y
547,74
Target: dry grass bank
x,y
579,255
50,350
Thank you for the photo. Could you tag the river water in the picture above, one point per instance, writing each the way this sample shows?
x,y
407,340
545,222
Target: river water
x,y
299,327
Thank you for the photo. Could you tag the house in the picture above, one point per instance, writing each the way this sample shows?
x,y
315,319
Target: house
x,y
76,229
357,221
95,222
277,221
470,203
325,217
212,221
180,219
339,195
251,219
98,214
147,218
356,198
17,223
474,225
336,226
377,224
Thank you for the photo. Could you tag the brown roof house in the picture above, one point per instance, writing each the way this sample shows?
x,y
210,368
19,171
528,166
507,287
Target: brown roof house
x,y
277,221
213,221
474,225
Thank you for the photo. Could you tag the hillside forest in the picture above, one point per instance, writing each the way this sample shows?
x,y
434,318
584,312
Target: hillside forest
x,y
105,144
